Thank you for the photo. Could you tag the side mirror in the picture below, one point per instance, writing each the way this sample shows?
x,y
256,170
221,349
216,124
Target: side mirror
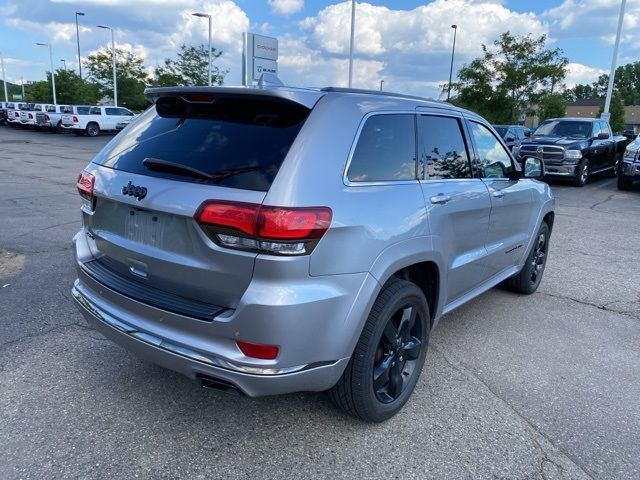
x,y
527,133
602,136
532,167
509,138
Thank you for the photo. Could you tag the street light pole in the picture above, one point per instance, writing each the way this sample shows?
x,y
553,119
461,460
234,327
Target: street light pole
x,y
381,82
353,28
614,60
113,64
4,80
453,52
78,39
206,15
53,76
64,63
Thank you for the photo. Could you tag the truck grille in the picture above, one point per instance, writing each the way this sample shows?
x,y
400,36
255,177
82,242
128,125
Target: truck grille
x,y
550,153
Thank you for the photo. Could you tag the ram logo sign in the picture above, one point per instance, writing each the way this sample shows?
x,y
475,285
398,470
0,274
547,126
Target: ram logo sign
x,y
260,55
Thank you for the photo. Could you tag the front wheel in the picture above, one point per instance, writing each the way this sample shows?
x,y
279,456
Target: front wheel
x,y
388,358
528,279
624,183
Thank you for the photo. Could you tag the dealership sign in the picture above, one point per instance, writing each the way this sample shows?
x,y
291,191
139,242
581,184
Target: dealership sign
x,y
260,55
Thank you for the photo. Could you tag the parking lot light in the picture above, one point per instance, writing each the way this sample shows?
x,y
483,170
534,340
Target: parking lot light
x,y
81,14
53,77
206,15
453,52
4,81
113,63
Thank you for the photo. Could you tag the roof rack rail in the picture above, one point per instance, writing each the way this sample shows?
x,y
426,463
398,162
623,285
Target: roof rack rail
x,y
376,92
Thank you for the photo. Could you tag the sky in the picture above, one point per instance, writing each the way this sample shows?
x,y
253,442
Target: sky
x,y
406,43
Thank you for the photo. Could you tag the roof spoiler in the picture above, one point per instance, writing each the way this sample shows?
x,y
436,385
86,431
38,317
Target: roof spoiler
x,y
306,97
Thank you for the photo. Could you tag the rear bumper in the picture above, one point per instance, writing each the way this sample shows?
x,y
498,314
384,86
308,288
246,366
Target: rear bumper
x,y
181,359
315,321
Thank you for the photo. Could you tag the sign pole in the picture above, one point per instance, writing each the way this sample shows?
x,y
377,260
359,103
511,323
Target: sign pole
x,y
607,103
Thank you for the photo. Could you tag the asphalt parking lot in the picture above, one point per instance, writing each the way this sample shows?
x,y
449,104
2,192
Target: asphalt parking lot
x,y
515,387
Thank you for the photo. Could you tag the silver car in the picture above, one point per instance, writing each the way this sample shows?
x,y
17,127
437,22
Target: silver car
x,y
272,240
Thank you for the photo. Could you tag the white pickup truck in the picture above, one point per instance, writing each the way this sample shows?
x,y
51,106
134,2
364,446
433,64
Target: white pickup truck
x,y
99,119
28,114
13,113
51,117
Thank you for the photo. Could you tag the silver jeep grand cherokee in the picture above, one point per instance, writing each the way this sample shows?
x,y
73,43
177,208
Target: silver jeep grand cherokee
x,y
272,240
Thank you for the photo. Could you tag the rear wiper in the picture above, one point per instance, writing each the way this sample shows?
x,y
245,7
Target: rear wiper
x,y
168,166
222,174
173,167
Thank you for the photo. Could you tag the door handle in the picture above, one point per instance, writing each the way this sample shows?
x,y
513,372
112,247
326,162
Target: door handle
x,y
440,198
497,193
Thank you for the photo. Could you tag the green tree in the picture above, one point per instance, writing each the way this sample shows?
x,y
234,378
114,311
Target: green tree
x,y
510,77
130,76
70,89
626,83
189,69
616,110
552,105
580,92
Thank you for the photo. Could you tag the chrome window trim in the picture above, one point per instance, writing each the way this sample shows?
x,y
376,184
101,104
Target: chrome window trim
x,y
345,178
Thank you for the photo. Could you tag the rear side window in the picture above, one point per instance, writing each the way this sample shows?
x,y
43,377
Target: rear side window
x,y
386,150
112,111
239,141
94,111
443,151
85,110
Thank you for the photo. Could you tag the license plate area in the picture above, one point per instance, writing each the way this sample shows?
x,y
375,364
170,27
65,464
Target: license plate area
x,y
147,228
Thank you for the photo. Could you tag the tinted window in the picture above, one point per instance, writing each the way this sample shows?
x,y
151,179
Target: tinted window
x,y
124,111
249,135
51,108
386,150
501,130
86,110
95,111
443,149
112,111
604,128
493,158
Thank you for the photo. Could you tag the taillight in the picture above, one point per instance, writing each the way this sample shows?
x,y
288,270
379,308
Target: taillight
x,y
75,119
277,230
30,117
46,117
16,114
257,350
85,187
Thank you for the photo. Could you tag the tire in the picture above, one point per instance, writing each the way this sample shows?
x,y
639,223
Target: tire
x,y
528,279
58,128
93,130
582,176
616,166
624,183
397,362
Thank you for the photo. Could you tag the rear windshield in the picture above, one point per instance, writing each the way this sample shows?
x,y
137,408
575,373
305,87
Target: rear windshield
x,y
237,141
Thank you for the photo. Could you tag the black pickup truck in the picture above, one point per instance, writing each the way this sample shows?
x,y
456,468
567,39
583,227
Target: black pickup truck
x,y
575,148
